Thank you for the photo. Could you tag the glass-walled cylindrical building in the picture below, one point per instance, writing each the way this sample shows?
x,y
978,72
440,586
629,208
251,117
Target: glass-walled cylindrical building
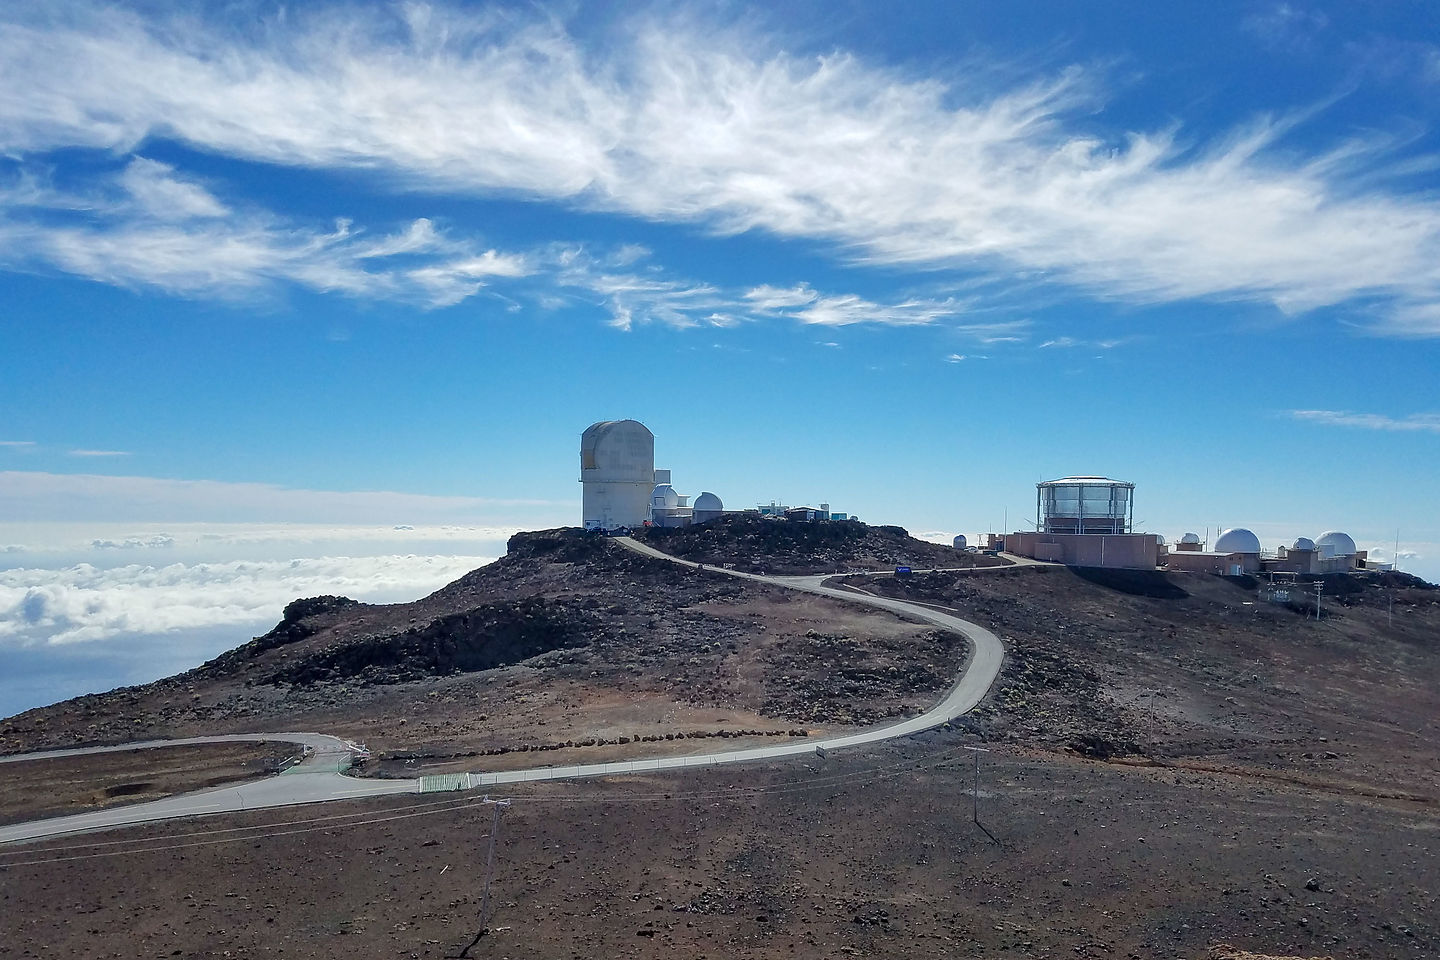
x,y
1084,505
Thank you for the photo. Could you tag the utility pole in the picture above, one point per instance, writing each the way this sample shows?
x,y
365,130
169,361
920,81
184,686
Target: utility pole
x,y
499,806
1319,589
975,796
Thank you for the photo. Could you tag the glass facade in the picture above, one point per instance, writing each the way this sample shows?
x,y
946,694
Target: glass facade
x,y
1084,507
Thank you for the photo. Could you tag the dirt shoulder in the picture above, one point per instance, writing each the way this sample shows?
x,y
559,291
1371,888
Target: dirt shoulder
x,y
57,786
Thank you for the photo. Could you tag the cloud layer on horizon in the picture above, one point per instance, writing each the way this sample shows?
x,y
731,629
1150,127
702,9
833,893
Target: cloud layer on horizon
x,y
83,603
34,496
681,121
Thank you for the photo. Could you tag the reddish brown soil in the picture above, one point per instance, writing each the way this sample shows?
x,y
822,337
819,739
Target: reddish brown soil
x,y
58,786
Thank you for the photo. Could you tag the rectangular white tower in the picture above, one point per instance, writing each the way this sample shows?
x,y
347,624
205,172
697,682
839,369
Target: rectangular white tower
x,y
617,474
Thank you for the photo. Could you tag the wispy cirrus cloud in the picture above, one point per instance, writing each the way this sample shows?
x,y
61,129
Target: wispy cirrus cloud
x,y
100,453
682,121
17,444
148,225
1412,423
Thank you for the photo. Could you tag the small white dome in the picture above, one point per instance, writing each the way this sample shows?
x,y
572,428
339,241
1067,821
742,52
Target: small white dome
x,y
1333,543
1237,540
708,501
1190,538
664,497
1303,543
960,542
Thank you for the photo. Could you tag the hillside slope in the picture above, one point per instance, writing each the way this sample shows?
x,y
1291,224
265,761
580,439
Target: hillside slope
x,y
568,639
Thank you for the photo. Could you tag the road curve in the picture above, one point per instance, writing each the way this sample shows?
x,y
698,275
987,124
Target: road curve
x,y
320,776
987,655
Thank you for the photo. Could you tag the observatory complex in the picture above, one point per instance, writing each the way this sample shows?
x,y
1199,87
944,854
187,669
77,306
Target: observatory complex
x,y
1089,522
1237,551
1081,521
622,489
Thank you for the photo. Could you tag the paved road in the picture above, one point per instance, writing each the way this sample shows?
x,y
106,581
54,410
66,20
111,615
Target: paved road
x,y
320,776
974,683
317,777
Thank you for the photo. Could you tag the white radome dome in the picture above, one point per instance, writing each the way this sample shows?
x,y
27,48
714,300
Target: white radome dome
x,y
708,501
1190,538
665,496
1303,543
1333,543
1237,540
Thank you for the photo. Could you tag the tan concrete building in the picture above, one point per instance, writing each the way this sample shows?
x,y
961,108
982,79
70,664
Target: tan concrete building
x,y
1131,551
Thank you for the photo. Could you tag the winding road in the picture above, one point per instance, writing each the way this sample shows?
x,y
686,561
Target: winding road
x,y
320,775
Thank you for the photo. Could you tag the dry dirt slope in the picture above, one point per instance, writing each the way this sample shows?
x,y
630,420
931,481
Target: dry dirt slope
x,y
568,639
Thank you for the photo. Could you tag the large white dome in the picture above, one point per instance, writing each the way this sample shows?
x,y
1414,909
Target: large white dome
x,y
708,501
1303,543
1333,543
665,497
1237,540
1190,538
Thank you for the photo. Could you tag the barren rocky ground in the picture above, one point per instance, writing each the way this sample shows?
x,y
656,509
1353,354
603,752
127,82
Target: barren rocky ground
x,y
1174,770
571,646
58,786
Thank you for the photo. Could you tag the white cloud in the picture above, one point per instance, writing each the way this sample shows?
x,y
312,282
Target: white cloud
x,y
699,124
1412,423
768,299
158,192
16,444
156,542
50,497
847,309
99,453
83,603
148,225
1286,26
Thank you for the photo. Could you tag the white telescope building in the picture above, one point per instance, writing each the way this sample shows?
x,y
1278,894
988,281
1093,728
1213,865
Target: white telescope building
x,y
617,474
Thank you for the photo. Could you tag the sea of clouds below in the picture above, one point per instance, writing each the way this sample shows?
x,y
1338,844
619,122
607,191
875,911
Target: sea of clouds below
x,y
94,608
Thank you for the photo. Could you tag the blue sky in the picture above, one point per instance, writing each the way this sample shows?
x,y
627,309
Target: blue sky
x,y
348,280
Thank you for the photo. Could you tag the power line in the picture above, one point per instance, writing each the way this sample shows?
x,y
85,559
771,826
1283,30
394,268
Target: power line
x,y
259,832
210,843
448,801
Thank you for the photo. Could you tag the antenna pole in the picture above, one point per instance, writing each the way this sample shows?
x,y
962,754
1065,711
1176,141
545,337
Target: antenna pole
x,y
975,795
